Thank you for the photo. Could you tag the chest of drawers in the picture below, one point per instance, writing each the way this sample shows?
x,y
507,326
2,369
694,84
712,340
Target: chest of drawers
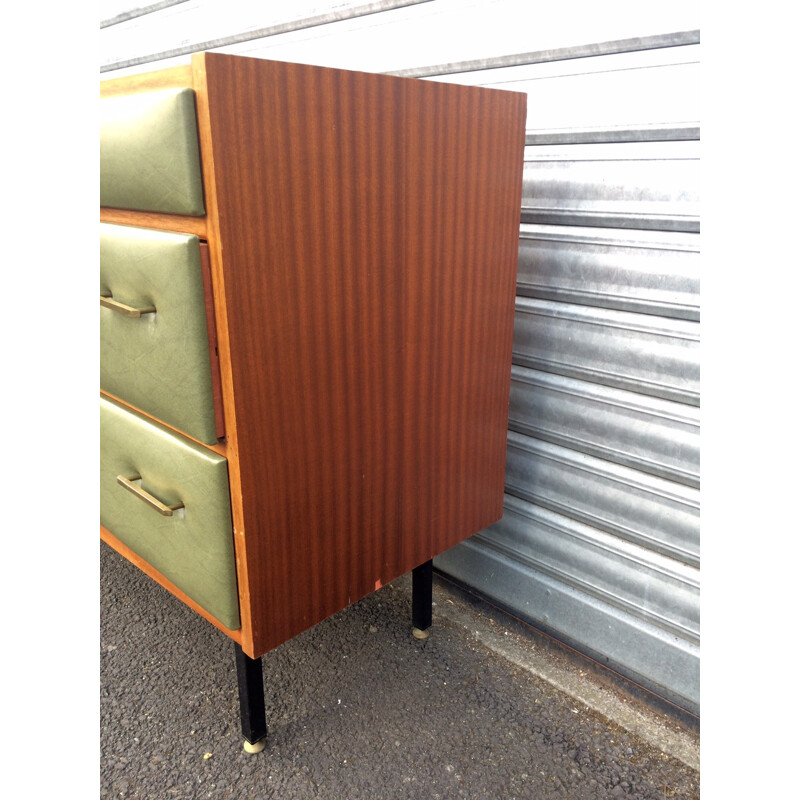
x,y
307,295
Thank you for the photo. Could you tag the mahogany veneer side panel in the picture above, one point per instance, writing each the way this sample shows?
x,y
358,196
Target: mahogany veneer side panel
x,y
369,227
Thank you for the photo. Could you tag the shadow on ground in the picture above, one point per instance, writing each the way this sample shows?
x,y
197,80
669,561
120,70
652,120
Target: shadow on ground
x,y
357,709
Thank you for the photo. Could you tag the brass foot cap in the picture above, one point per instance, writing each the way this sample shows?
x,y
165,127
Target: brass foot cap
x,y
418,634
255,748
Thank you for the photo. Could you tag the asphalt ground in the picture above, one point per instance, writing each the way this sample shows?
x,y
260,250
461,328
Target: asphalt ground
x,y
358,709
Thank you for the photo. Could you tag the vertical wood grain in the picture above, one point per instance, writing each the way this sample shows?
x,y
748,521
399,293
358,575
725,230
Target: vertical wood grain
x,y
368,231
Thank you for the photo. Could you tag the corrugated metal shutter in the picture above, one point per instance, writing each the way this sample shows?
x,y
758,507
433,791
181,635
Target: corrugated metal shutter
x,y
599,543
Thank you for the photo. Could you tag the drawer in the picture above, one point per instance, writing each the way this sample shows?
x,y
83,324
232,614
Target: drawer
x,y
159,361
149,153
193,545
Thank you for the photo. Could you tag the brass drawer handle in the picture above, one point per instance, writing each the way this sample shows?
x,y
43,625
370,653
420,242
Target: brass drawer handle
x,y
129,311
128,483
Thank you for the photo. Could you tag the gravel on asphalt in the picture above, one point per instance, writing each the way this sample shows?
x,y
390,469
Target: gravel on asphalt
x,y
356,709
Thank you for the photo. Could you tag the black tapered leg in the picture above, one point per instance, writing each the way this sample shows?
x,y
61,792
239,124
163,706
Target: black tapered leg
x,y
251,701
422,599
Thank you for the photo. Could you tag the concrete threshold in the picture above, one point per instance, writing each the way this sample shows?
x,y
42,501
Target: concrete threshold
x,y
571,674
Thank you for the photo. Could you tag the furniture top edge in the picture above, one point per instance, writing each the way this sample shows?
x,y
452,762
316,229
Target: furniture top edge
x,y
168,78
187,75
211,60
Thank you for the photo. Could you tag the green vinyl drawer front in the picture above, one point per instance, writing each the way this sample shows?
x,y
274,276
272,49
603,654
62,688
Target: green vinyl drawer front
x,y
154,348
144,465
149,153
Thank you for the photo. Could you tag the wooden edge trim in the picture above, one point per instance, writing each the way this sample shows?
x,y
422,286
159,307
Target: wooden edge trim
x,y
213,349
168,78
218,267
148,219
219,448
130,555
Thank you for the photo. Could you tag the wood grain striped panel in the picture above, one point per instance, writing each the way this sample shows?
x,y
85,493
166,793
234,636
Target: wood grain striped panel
x,y
368,227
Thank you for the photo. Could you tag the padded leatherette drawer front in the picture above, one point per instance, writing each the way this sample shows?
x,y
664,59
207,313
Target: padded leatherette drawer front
x,y
158,361
192,547
149,153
